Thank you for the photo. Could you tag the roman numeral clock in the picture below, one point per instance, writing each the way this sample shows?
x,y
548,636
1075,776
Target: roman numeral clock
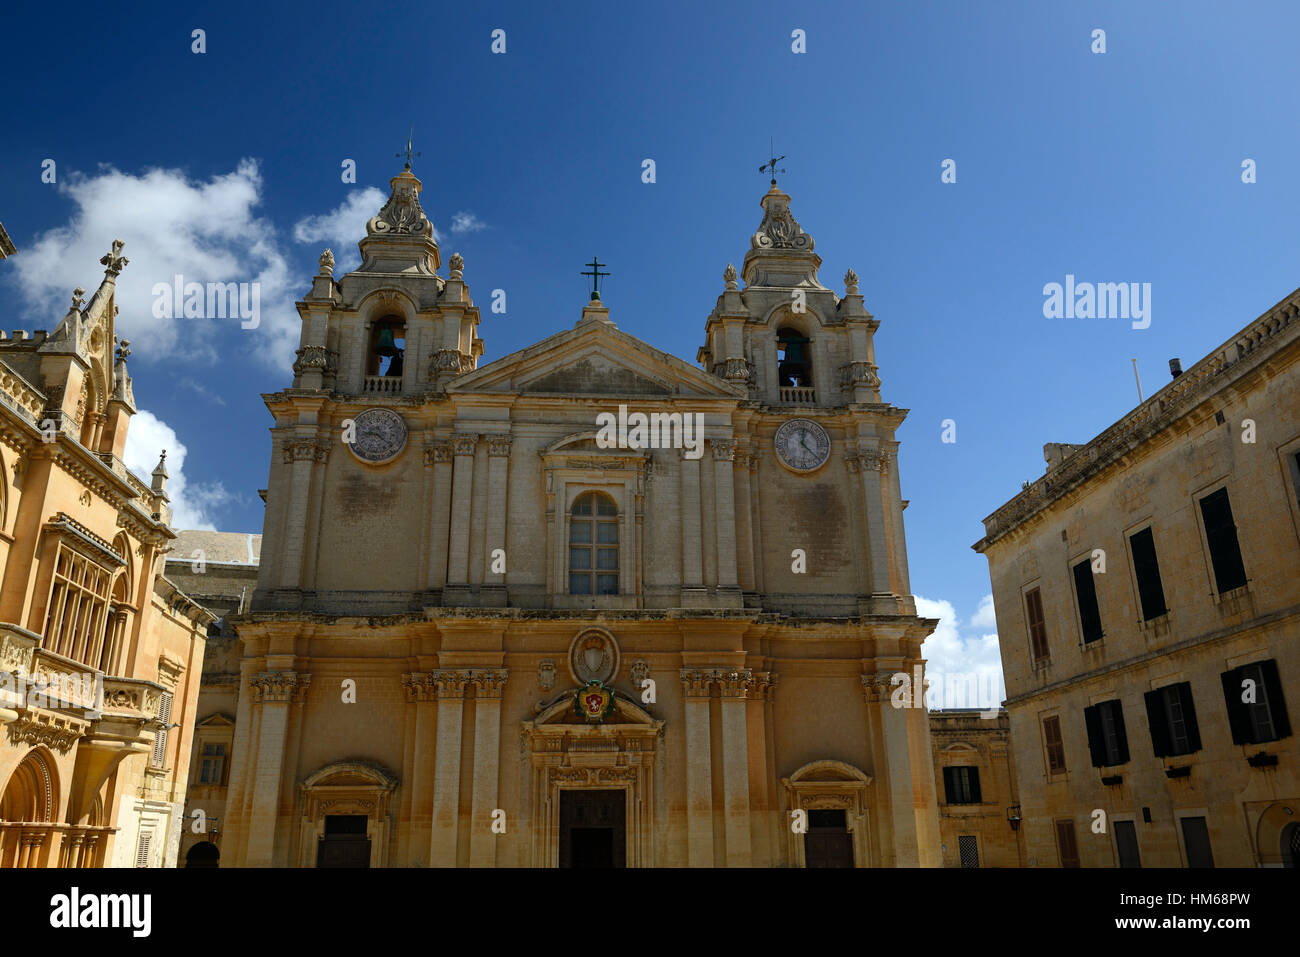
x,y
802,446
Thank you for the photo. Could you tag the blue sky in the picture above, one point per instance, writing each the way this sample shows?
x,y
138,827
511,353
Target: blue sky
x,y
1123,166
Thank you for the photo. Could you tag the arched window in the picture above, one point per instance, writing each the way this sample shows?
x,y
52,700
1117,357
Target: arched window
x,y
387,347
793,359
593,546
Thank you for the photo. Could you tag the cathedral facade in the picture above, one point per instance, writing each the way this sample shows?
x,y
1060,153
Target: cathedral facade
x,y
587,604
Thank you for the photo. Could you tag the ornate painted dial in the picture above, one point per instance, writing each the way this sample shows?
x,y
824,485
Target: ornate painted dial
x,y
802,445
380,436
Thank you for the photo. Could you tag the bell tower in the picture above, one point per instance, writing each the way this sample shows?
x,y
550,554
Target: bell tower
x,y
790,339
392,325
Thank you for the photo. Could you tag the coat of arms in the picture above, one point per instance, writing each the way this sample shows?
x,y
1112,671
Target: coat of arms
x,y
594,702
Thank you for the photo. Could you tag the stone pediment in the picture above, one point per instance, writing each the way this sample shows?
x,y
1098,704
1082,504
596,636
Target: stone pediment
x,y
595,360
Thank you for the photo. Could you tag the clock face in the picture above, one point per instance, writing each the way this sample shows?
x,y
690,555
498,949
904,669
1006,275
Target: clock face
x,y
380,436
802,445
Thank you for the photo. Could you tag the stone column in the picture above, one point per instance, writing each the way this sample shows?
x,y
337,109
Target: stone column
x,y
744,523
755,507
301,456
462,490
446,766
735,686
272,691
896,762
692,553
439,456
877,533
899,549
724,499
699,769
488,688
498,489
765,825
421,692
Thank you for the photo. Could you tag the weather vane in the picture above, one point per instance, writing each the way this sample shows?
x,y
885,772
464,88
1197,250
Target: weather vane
x,y
409,153
771,163
595,275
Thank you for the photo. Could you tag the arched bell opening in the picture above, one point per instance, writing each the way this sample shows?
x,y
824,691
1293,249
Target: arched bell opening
x,y
793,359
387,347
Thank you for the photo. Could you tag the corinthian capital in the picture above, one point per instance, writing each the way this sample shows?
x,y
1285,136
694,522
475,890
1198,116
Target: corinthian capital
x,y
279,686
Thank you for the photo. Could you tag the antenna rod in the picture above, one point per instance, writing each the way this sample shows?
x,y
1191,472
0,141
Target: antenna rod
x,y
1138,381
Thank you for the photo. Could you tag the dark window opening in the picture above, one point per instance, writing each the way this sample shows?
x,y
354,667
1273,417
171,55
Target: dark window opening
x,y
1147,569
1107,739
793,358
1172,718
962,785
1256,707
1196,838
1221,536
387,347
1126,843
1085,587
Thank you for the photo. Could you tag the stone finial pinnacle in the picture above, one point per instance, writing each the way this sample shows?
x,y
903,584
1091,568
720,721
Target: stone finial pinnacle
x,y
729,276
78,298
851,283
159,484
456,265
113,260
327,262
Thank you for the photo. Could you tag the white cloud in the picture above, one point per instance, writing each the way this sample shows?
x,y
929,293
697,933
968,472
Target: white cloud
x,y
984,617
466,222
205,231
342,227
965,671
193,504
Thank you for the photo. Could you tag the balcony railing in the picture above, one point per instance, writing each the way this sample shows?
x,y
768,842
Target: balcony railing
x,y
798,395
382,383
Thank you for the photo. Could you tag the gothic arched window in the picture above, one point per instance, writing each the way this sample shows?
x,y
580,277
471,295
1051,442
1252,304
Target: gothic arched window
x,y
793,359
593,545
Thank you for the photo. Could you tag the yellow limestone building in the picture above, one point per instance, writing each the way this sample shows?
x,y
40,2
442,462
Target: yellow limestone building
x,y
490,630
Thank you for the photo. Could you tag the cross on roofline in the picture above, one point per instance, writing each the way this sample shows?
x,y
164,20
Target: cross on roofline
x,y
595,275
408,152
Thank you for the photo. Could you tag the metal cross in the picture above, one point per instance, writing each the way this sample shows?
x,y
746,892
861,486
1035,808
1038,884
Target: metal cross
x,y
595,275
771,164
408,152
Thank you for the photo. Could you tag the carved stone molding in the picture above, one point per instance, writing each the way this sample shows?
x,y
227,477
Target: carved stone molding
x,y
451,683
872,460
54,731
437,453
418,686
463,443
724,451
279,686
734,684
499,445
640,672
695,683
860,373
305,450
851,462
315,357
546,674
489,684
736,369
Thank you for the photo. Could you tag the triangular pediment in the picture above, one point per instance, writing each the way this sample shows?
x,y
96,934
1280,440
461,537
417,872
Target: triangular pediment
x,y
596,359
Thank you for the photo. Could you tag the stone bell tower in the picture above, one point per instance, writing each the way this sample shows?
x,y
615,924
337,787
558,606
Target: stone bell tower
x,y
392,325
791,340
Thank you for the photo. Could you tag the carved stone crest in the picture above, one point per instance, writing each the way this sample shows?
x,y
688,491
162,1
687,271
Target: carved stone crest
x,y
593,656
546,674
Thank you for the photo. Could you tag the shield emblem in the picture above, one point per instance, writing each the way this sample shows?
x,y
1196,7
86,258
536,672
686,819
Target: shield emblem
x,y
595,702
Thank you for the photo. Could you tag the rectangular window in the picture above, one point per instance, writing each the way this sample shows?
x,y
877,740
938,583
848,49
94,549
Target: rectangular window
x,y
962,785
1256,707
1055,745
969,849
1147,569
1172,718
1107,739
1066,845
142,848
213,764
1085,588
1037,627
1126,843
78,611
1196,838
1221,536
160,742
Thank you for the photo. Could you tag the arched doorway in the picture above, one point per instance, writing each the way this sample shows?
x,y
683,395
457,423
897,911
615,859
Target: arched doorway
x,y
203,854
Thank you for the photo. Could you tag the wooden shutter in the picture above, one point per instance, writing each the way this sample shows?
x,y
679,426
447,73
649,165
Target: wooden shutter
x,y
1037,627
1146,567
1055,745
1238,716
1085,588
1121,733
1221,536
160,741
1184,692
950,785
142,848
1127,844
1096,735
1065,844
1276,702
1157,722
975,796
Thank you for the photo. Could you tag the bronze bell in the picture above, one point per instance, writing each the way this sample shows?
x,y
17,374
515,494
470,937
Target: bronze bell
x,y
386,347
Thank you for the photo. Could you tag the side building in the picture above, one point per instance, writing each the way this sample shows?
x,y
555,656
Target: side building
x,y
979,810
1148,602
219,569
100,654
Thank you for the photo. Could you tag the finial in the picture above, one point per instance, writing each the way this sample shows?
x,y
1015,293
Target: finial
x,y
729,276
124,351
78,298
114,260
850,283
408,151
457,265
327,263
595,275
770,165
160,474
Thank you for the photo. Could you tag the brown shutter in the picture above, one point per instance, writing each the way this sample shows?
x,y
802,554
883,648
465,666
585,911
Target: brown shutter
x,y
1066,845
